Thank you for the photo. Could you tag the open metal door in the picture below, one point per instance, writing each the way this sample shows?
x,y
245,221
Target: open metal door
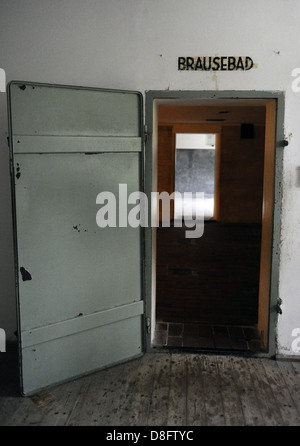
x,y
79,286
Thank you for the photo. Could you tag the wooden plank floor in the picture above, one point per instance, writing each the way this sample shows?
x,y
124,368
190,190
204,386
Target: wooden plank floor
x,y
162,389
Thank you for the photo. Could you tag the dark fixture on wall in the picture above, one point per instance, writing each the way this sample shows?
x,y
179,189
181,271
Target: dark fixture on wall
x,y
247,131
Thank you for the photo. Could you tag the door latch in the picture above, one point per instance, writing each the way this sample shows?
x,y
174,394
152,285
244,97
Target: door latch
x,y
278,306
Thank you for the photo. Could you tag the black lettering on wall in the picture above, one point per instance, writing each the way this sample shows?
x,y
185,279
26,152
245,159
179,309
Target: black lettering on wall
x,y
248,63
189,63
240,65
223,63
231,63
198,65
181,63
208,63
216,62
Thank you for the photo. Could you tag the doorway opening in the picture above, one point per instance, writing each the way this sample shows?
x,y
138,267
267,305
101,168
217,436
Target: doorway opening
x,y
213,292
194,172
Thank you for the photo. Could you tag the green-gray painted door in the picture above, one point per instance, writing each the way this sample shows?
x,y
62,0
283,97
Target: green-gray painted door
x,y
79,286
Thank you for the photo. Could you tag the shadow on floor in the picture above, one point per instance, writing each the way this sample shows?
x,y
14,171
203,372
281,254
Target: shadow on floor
x,y
9,373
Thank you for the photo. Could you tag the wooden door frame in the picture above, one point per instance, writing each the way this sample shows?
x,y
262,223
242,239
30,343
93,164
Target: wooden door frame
x,y
271,284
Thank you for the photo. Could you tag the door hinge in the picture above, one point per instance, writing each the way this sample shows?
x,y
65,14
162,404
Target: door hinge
x,y
148,324
146,133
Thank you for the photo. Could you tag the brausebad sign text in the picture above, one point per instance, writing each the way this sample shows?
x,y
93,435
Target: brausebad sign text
x,y
217,63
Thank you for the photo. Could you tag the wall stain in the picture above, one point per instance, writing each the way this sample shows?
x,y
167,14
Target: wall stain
x,y
79,228
215,79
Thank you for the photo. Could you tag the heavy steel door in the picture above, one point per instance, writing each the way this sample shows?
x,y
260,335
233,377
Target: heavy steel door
x,y
79,286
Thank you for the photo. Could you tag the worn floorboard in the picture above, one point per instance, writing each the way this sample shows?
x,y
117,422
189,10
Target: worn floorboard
x,y
158,410
178,390
163,389
232,406
196,409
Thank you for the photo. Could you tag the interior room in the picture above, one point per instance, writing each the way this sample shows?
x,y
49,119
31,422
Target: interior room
x,y
208,288
145,327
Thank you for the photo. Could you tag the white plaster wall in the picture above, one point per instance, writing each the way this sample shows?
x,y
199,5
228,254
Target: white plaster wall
x,y
134,44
